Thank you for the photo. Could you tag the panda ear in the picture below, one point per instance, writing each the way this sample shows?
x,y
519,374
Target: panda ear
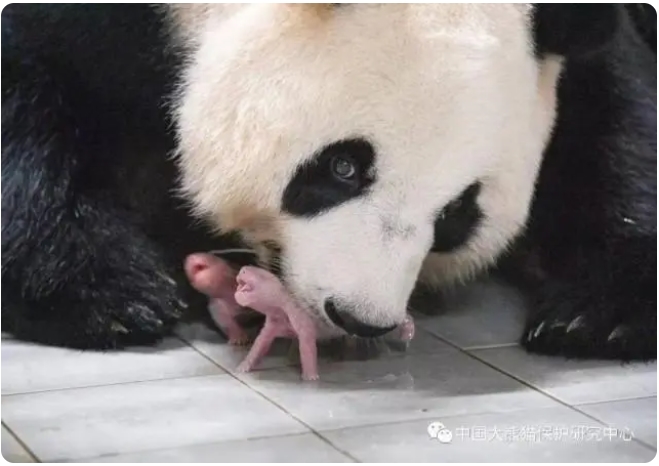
x,y
570,29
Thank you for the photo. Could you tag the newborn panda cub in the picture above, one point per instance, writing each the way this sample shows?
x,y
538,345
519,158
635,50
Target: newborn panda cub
x,y
263,292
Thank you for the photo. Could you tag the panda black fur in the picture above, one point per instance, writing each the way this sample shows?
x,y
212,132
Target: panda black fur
x,y
93,236
594,219
87,219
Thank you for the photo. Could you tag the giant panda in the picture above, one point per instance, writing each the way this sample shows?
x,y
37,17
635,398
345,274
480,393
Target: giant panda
x,y
361,150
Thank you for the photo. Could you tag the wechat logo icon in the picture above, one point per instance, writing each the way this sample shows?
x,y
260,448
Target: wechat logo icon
x,y
437,430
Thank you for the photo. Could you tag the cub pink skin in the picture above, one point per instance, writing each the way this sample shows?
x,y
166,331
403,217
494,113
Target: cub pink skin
x,y
264,292
213,277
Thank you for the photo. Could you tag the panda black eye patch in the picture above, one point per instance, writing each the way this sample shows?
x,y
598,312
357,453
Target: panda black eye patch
x,y
341,171
458,220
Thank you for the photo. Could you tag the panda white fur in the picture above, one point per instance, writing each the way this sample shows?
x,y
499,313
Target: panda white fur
x,y
363,148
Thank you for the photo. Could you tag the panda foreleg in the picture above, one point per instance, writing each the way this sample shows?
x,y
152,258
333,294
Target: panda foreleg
x,y
75,270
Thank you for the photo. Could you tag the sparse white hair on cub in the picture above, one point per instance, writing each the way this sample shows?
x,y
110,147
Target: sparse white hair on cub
x,y
447,94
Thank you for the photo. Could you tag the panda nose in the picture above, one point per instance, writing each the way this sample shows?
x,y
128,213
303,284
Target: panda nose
x,y
342,316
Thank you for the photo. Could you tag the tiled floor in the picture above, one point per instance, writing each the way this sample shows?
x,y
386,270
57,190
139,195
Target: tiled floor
x,y
182,402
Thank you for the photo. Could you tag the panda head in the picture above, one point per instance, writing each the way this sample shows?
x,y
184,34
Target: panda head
x,y
364,142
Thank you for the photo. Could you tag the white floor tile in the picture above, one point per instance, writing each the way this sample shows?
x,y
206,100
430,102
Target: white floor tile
x,y
639,415
417,386
485,313
27,367
576,381
12,451
304,448
543,435
89,422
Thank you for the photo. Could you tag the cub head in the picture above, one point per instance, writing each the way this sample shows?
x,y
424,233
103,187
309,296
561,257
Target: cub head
x,y
364,143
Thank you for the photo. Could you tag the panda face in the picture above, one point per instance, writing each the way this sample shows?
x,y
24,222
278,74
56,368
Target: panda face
x,y
370,143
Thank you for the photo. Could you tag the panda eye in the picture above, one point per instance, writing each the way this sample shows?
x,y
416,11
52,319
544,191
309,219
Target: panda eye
x,y
340,171
343,168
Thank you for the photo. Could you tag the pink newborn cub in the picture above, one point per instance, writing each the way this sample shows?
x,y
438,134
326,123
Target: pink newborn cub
x,y
262,291
213,277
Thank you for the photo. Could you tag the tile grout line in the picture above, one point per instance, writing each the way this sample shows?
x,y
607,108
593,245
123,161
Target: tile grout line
x,y
632,398
263,396
492,346
23,445
445,339
87,459
429,418
112,384
635,439
468,353
538,389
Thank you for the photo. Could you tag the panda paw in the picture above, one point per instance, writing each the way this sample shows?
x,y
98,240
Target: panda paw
x,y
138,309
148,312
579,322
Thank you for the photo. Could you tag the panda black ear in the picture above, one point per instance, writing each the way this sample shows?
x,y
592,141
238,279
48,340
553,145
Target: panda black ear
x,y
570,29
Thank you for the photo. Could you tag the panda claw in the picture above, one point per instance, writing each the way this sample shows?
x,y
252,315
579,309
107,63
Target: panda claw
x,y
619,332
558,324
577,323
537,332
